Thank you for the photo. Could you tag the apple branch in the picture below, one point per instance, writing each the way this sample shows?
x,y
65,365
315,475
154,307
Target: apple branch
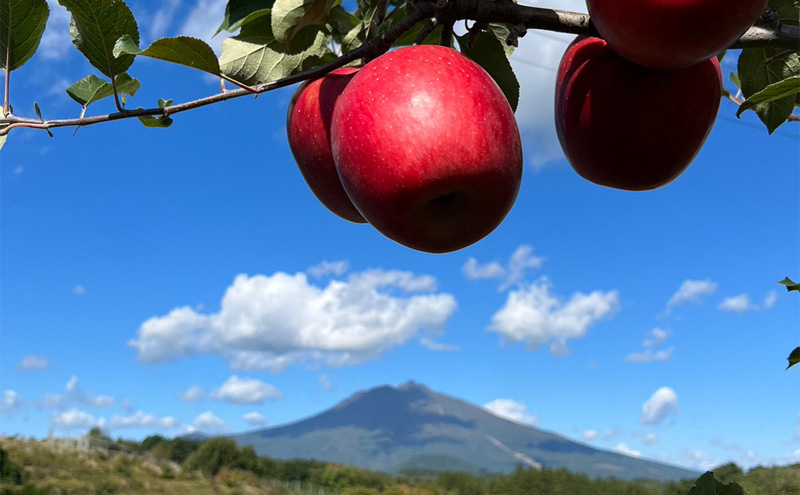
x,y
772,34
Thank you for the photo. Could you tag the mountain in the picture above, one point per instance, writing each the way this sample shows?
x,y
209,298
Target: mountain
x,y
393,429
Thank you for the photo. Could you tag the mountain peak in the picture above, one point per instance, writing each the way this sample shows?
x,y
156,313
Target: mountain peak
x,y
395,428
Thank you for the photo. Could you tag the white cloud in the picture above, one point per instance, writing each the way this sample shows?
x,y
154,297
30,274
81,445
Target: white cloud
x,y
326,382
610,434
210,424
56,41
438,346
534,316
474,271
336,268
270,322
691,291
698,460
770,299
161,20
513,411
33,363
76,419
10,402
521,260
78,290
625,450
655,338
74,395
649,356
737,304
237,390
589,435
192,394
19,170
203,21
254,419
101,401
535,63
662,404
650,439
142,419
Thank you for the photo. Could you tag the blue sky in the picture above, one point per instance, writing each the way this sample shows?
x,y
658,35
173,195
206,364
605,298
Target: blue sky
x,y
186,279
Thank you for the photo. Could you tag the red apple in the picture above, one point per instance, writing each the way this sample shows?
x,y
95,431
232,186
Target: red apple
x,y
626,126
668,34
308,126
427,148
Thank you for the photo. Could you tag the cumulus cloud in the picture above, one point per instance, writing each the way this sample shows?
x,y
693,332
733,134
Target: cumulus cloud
x,y
142,419
33,363
737,304
326,382
691,291
79,290
521,260
161,20
622,448
75,396
254,419
203,20
655,338
76,419
209,424
56,42
589,435
662,404
237,390
435,346
650,439
535,63
533,315
770,299
270,322
513,411
326,268
10,402
194,393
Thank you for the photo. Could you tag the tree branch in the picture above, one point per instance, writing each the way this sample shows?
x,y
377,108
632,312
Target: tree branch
x,y
481,11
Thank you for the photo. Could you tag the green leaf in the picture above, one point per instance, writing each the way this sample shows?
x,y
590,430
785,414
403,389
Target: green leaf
x,y
291,16
181,50
489,54
735,80
794,358
39,114
788,11
501,32
161,122
22,24
787,88
95,28
255,56
240,12
755,76
708,485
790,285
91,89
162,103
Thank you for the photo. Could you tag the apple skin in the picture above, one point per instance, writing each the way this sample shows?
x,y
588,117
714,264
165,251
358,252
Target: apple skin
x,y
628,127
308,126
427,148
669,34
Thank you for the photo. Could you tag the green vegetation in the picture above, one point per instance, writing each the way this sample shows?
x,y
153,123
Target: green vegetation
x,y
217,466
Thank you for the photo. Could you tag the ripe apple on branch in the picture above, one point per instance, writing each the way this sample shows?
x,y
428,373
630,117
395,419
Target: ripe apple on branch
x,y
427,150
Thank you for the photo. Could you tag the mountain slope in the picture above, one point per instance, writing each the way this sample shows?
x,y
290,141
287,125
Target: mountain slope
x,y
396,428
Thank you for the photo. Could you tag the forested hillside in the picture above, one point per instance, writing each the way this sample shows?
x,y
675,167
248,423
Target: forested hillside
x,y
217,466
